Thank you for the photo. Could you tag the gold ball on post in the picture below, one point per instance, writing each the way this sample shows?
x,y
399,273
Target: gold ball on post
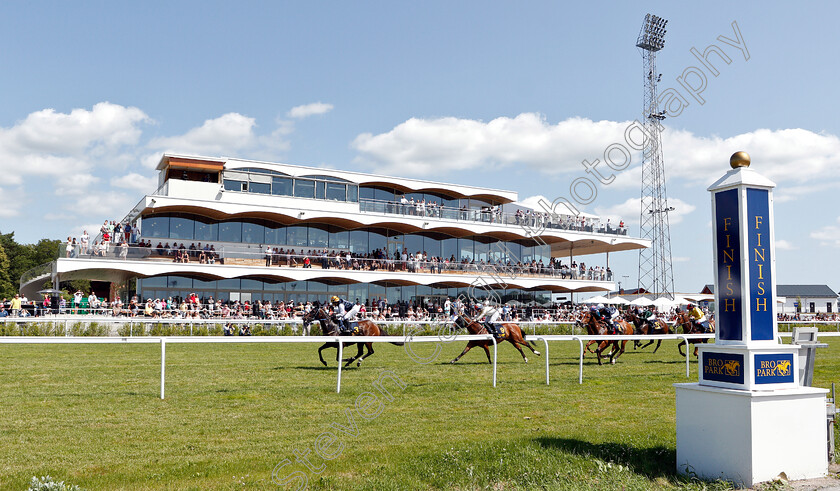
x,y
739,159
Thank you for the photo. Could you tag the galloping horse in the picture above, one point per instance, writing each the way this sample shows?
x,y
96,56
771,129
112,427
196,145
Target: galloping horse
x,y
512,333
596,328
644,327
329,328
689,327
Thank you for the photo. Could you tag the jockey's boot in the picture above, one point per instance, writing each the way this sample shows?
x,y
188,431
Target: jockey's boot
x,y
491,328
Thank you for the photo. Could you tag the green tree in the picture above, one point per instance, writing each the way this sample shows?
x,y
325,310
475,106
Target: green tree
x,y
7,288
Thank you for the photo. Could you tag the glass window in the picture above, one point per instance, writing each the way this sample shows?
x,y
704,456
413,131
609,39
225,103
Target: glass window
x,y
513,252
281,186
304,188
527,254
367,193
296,236
319,189
336,191
230,231
413,243
432,246
180,228
376,241
352,192
274,287
384,195
339,239
259,187
449,248
179,282
206,231
204,285
249,284
155,226
253,233
231,185
155,281
358,241
318,238
465,249
276,236
481,251
229,285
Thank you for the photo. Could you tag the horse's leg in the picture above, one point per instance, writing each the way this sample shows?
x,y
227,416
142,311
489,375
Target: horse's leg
x,y
614,358
528,344
601,346
325,345
487,352
369,352
658,343
679,347
515,345
358,354
469,347
590,343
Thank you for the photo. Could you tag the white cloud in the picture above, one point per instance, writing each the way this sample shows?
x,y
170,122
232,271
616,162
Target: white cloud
x,y
784,245
74,184
419,146
12,202
629,211
47,142
229,132
307,110
144,184
827,235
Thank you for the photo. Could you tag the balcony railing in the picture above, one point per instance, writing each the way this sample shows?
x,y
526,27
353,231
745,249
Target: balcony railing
x,y
334,259
490,216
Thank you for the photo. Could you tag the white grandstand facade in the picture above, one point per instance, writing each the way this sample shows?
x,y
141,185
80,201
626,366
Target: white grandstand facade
x,y
244,230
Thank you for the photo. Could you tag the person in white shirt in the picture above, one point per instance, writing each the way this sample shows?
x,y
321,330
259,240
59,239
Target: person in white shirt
x,y
84,242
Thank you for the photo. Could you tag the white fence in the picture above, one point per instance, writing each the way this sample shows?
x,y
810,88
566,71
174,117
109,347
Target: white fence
x,y
342,341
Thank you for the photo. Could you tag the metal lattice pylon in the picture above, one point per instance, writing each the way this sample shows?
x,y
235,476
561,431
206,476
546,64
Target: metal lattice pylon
x,y
655,272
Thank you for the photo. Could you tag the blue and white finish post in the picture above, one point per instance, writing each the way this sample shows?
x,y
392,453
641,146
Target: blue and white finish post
x,y
746,354
748,420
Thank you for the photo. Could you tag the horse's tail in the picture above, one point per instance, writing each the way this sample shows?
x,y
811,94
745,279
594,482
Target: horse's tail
x,y
383,332
525,338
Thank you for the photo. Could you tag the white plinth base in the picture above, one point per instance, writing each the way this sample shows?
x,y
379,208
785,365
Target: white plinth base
x,y
749,437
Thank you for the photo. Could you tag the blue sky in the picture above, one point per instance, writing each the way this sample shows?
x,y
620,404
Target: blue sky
x,y
499,94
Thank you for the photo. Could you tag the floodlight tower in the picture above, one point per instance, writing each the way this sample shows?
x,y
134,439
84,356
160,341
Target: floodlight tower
x,y
655,272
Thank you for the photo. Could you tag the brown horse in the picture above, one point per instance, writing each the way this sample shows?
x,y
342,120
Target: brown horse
x,y
329,328
643,327
690,327
512,333
600,328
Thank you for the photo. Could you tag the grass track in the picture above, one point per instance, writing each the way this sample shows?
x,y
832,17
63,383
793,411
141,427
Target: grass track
x,y
90,415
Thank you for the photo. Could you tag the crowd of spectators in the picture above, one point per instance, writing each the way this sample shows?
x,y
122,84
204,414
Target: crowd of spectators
x,y
493,214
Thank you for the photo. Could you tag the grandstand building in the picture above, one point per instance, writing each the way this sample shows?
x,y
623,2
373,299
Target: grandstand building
x,y
270,231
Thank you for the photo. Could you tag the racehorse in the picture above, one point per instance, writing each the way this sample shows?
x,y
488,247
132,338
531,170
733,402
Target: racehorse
x,y
596,328
689,327
511,333
329,328
643,327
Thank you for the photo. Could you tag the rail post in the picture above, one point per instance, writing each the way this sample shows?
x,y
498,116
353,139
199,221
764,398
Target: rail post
x,y
495,353
340,361
162,367
687,357
580,371
545,342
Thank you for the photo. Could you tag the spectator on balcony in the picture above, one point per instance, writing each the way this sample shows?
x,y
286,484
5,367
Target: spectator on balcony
x,y
124,250
84,242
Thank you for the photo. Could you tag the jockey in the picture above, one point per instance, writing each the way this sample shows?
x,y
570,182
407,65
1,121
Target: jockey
x,y
345,311
491,314
698,317
609,315
649,316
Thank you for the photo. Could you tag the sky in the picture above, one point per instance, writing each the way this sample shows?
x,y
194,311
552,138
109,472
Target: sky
x,y
509,95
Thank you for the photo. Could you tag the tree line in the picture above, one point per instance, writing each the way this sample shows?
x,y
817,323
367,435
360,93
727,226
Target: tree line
x,y
16,259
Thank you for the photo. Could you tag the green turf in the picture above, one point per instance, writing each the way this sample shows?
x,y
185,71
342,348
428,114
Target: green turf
x,y
91,415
